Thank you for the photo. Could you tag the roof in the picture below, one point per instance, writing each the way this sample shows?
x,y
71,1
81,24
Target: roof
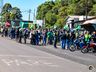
x,y
77,18
93,21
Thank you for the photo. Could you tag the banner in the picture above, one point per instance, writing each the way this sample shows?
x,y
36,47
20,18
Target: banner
x,y
25,25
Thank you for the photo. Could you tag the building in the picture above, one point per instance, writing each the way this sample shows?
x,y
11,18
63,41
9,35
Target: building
x,y
81,20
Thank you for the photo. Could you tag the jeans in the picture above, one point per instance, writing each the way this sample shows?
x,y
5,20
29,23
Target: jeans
x,y
37,41
44,41
67,42
81,44
63,43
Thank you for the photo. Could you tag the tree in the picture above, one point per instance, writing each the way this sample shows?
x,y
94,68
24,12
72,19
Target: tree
x,y
71,9
56,11
9,13
43,9
6,8
84,5
93,11
60,22
63,12
15,14
6,11
51,18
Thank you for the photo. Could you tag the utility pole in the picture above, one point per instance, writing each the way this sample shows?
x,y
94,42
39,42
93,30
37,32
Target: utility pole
x,y
34,16
29,14
86,9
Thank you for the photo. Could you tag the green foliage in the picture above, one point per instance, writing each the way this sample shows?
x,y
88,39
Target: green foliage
x,y
9,13
71,9
6,12
93,11
60,23
50,18
44,8
56,11
15,14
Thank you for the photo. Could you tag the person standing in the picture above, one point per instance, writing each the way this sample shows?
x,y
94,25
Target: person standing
x,y
17,34
63,40
2,31
50,37
72,38
25,34
44,35
37,38
87,38
6,32
20,35
67,39
94,36
55,39
32,37
11,33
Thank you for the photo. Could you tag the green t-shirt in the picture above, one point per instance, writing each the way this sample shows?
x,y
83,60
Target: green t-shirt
x,y
87,37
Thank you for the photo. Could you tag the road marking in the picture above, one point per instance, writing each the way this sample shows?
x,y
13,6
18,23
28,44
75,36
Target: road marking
x,y
25,63
7,62
10,60
36,63
17,62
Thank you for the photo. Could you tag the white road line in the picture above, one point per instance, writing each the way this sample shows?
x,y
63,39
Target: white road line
x,y
17,62
7,62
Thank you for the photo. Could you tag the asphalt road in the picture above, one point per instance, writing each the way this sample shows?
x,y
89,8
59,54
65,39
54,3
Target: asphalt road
x,y
86,59
15,57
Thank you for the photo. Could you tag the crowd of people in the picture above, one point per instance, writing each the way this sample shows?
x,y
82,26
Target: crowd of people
x,y
49,36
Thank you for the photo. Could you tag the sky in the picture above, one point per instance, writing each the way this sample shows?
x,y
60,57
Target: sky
x,y
25,5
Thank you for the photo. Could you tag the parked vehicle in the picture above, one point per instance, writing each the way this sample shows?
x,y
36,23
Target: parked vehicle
x,y
77,45
88,48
